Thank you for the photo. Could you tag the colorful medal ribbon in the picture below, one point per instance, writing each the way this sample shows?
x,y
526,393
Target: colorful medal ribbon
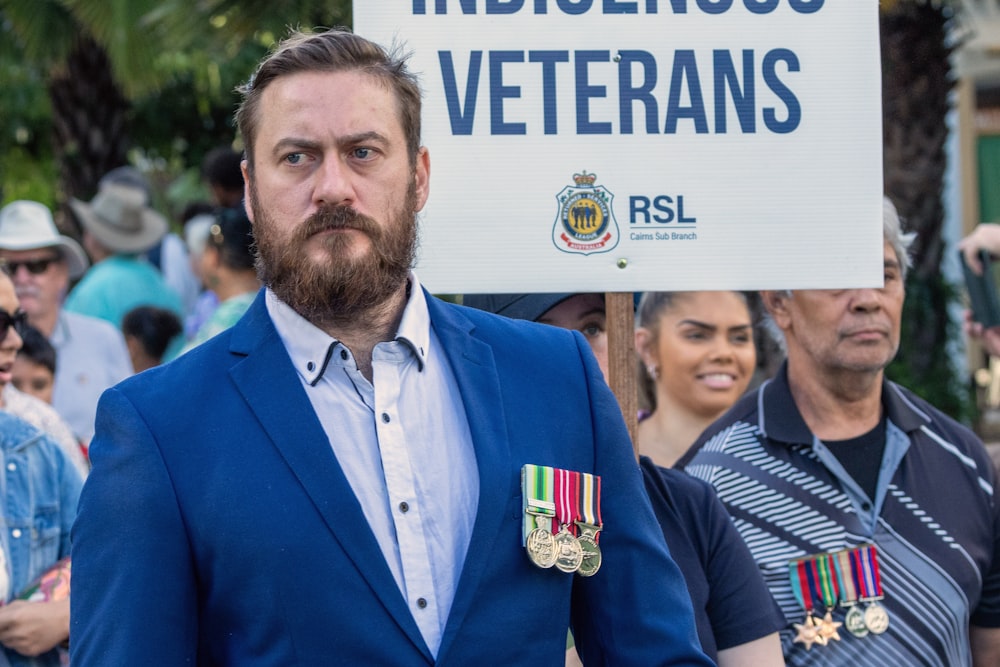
x,y
849,579
588,521
799,576
566,499
537,487
569,553
876,617
559,505
824,579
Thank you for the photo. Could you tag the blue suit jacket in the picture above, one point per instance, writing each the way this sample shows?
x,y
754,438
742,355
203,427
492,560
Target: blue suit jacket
x,y
217,527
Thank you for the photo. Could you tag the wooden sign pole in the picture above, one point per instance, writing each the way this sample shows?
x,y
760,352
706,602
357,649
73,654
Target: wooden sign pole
x,y
621,357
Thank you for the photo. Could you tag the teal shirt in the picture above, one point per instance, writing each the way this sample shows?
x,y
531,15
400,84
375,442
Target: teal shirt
x,y
113,287
225,315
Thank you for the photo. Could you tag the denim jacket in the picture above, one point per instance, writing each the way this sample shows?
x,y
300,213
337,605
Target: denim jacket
x,y
40,488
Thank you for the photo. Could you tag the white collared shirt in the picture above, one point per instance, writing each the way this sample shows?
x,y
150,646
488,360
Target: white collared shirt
x,y
404,445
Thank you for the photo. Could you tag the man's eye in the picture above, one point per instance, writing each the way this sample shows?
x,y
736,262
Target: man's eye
x,y
591,330
363,153
294,158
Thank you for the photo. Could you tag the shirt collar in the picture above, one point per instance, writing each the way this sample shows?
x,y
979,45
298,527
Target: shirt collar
x,y
782,421
310,348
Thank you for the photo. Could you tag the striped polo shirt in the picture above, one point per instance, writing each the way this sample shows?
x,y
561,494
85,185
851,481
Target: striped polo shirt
x,y
934,520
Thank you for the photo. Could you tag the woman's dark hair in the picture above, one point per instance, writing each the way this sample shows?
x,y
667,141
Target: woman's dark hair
x,y
153,327
37,348
232,235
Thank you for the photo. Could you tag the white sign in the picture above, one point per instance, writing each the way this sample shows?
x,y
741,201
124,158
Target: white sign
x,y
631,145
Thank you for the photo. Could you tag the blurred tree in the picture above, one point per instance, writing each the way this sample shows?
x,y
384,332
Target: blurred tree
x,y
164,68
916,85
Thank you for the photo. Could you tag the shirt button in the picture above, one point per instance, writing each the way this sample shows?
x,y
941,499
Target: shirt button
x,y
404,507
12,467
421,603
17,533
866,506
310,366
385,418
343,355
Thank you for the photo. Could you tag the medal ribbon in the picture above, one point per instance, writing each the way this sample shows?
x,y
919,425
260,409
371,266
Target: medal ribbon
x,y
799,577
826,580
566,500
538,488
873,580
846,577
590,501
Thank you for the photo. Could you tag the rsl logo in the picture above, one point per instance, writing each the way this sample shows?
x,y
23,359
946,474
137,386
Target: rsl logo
x,y
585,223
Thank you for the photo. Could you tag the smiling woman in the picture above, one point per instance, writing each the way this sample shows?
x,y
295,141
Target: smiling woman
x,y
698,357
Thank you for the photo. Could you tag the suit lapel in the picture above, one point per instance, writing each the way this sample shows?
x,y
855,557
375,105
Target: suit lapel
x,y
475,371
269,384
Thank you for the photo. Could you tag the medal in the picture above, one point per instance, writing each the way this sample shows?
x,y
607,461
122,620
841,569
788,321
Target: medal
x,y
591,562
557,505
876,617
541,548
807,632
569,554
539,512
825,579
847,578
589,524
854,621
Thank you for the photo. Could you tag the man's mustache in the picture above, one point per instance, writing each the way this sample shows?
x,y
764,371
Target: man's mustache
x,y
339,217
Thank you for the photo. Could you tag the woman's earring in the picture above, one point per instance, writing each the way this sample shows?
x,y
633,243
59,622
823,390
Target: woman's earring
x,y
654,371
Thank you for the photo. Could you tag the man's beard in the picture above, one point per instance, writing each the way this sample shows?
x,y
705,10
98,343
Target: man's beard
x,y
335,289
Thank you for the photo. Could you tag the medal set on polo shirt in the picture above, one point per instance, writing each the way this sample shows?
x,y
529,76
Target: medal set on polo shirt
x,y
562,519
849,577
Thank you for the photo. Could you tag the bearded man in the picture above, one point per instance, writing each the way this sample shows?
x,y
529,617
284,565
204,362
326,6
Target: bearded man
x,y
358,473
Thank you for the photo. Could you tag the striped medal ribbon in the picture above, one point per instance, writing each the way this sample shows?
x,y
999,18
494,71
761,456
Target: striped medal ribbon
x,y
589,523
823,578
569,553
876,617
538,491
849,578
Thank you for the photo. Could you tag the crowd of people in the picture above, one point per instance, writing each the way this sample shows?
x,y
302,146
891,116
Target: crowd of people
x,y
308,459
79,318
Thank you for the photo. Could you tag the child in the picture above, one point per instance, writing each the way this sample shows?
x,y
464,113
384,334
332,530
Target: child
x,y
34,369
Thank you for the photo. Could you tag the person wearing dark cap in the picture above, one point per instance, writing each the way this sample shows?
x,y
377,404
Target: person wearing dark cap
x,y
227,269
118,226
92,353
736,617
583,312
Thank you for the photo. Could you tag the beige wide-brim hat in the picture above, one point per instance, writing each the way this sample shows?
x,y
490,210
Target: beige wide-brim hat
x,y
119,219
28,225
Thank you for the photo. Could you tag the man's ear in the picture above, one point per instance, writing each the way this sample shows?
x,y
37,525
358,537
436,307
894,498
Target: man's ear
x,y
776,304
247,204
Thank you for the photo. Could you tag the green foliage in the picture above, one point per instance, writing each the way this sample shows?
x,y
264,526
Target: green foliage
x,y
31,178
931,374
25,152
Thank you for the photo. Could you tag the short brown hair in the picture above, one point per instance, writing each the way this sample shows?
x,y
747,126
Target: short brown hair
x,y
334,50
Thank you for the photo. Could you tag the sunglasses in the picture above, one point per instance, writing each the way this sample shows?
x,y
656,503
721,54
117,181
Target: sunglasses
x,y
35,266
17,320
